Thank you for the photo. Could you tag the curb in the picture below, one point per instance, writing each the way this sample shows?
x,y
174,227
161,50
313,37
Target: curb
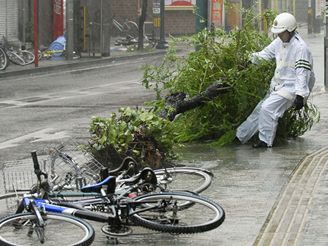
x,y
67,65
286,221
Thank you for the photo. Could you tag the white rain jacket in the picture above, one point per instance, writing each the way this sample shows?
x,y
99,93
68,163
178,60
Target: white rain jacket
x,y
293,74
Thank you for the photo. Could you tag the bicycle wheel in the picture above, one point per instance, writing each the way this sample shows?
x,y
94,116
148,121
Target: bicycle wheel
x,y
59,229
183,179
161,212
131,29
15,58
9,202
3,60
27,56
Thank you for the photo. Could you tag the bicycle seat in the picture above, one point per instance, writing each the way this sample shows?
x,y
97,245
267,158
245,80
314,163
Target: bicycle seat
x,y
129,167
147,175
109,184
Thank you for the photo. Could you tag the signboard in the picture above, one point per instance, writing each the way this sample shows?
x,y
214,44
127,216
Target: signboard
x,y
156,11
318,8
180,3
156,7
58,18
217,13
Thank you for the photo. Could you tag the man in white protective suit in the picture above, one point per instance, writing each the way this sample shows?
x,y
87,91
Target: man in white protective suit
x,y
291,84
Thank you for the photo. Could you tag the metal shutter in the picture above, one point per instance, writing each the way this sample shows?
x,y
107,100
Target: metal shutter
x,y
8,19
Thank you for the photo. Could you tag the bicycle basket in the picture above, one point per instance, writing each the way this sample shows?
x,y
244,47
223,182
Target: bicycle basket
x,y
16,179
17,176
73,168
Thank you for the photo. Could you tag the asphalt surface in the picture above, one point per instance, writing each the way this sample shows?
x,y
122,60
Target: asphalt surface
x,y
275,196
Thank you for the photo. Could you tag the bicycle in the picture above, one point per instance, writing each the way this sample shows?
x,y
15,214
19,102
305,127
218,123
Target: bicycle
x,y
129,29
45,220
17,56
71,173
177,178
3,59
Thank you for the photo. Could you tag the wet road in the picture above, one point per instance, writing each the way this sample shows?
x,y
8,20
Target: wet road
x,y
247,182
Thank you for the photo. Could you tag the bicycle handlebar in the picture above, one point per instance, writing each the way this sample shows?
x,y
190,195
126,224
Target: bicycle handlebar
x,y
36,165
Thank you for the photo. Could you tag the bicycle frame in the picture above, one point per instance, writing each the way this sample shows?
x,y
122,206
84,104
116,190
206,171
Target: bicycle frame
x,y
44,205
106,188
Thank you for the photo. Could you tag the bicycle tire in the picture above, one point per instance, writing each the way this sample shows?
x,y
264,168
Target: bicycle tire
x,y
3,59
27,56
203,216
184,179
15,58
55,225
131,28
9,202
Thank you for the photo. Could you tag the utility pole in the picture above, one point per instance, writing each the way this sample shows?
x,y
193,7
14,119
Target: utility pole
x,y
106,18
162,43
310,16
326,48
316,17
69,29
36,32
314,20
201,14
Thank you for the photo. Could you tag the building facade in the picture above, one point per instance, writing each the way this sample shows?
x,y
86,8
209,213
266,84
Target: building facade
x,y
16,16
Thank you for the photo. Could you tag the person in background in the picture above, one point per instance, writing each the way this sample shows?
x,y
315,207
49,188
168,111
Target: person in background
x,y
291,84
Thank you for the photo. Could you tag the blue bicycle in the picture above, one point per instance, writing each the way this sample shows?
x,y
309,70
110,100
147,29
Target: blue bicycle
x,y
43,219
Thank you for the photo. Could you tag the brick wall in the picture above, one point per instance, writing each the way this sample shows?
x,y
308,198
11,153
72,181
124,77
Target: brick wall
x,y
127,10
301,12
180,22
124,10
176,21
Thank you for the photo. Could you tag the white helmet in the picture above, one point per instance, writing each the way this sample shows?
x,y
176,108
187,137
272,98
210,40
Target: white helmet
x,y
282,22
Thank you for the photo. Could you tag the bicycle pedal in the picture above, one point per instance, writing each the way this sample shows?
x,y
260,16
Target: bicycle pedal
x,y
114,232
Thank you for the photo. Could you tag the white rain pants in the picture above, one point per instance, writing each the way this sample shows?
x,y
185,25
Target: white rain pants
x,y
264,119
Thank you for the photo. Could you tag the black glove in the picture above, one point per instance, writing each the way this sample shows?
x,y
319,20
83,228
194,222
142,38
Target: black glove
x,y
299,102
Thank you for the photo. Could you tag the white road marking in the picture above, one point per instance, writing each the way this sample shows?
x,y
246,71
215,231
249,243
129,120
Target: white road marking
x,y
38,136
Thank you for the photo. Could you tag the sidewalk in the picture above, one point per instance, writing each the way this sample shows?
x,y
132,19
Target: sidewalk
x,y
117,53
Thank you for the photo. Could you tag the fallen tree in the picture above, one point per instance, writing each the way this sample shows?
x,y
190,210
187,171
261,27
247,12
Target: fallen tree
x,y
184,86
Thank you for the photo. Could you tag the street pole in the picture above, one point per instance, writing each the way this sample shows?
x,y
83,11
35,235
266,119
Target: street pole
x,y
69,29
36,32
201,15
310,16
162,44
101,41
326,48
316,17
106,18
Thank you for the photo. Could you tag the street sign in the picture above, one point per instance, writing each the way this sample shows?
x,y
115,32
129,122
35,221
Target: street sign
x,y
156,11
156,7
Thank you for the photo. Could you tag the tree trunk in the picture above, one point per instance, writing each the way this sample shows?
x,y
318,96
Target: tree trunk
x,y
179,104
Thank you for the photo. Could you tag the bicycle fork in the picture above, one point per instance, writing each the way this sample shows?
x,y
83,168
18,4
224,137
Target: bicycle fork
x,y
37,225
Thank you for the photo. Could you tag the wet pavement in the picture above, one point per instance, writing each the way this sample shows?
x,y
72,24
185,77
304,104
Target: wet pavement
x,y
272,196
